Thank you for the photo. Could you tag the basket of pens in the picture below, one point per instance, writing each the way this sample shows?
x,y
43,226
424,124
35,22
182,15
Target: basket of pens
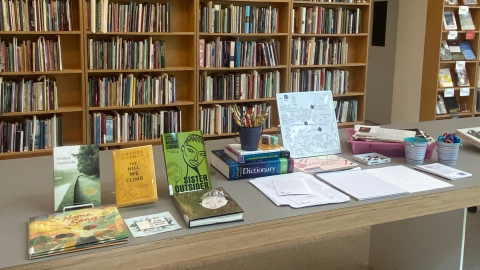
x,y
250,125
448,146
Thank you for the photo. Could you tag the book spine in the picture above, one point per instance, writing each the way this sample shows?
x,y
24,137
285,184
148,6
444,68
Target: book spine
x,y
259,169
256,157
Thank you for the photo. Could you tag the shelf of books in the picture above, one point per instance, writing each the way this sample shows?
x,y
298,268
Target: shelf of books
x,y
140,62
120,73
251,51
41,76
451,60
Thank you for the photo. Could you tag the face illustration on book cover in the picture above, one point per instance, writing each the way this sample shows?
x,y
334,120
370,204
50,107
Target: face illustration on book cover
x,y
214,199
76,176
186,162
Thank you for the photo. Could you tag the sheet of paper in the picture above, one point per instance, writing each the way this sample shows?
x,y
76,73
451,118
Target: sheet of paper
x,y
449,92
407,179
464,92
309,124
152,224
452,35
321,192
361,185
291,186
323,164
444,171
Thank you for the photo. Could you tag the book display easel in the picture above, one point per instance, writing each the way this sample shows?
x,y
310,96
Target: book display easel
x,y
96,73
465,95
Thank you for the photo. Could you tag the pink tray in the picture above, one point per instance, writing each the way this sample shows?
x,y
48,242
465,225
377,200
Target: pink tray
x,y
383,148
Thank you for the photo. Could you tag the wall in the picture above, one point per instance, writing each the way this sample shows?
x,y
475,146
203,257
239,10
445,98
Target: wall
x,y
381,69
412,15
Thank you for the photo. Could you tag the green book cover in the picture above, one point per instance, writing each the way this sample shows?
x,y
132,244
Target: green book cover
x,y
76,176
186,162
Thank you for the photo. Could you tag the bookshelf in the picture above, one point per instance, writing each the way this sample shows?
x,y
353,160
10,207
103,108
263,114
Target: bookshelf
x,y
182,62
435,33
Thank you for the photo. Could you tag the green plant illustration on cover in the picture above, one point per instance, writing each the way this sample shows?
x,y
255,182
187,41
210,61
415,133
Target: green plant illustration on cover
x,y
76,176
186,161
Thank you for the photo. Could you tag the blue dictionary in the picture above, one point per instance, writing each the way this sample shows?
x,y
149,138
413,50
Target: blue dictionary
x,y
467,50
233,170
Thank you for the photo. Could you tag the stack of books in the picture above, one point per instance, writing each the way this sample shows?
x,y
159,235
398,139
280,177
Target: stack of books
x,y
239,86
346,110
28,95
118,53
238,19
31,15
320,20
40,55
31,134
335,80
132,17
117,127
235,163
131,90
319,52
239,53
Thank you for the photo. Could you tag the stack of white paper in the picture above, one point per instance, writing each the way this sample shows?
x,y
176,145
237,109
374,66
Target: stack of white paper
x,y
443,171
407,179
361,185
320,192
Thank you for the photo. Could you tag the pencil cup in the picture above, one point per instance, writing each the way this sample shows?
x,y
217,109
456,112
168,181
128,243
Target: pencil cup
x,y
448,153
250,137
415,149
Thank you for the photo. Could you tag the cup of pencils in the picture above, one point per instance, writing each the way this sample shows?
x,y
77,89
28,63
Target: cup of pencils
x,y
250,125
448,146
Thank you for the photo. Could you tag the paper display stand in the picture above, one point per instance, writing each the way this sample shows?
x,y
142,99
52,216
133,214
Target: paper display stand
x,y
309,124
381,159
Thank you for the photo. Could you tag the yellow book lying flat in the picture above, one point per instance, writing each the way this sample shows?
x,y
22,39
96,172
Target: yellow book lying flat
x,y
134,173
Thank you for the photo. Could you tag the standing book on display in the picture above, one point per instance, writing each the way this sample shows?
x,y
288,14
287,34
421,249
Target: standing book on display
x,y
445,78
76,176
134,172
186,162
466,20
449,20
467,50
445,54
309,124
455,50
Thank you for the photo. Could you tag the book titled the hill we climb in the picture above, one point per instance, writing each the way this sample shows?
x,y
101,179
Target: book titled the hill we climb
x,y
186,162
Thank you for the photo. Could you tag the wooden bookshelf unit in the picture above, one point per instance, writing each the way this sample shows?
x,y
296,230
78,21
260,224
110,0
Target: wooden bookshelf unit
x,y
435,33
182,61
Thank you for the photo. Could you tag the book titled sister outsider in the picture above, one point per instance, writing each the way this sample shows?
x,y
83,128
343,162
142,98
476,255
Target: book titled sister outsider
x,y
186,162
134,172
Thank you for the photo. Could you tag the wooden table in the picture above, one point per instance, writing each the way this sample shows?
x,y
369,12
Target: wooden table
x,y
415,231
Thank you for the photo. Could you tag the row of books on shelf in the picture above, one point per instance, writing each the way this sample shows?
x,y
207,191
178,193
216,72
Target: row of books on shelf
x,y
319,52
115,127
450,20
336,80
104,17
454,50
445,78
239,86
238,19
447,105
118,53
346,110
337,1
31,134
131,90
220,119
35,15
239,54
477,101
28,95
464,2
40,55
320,20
